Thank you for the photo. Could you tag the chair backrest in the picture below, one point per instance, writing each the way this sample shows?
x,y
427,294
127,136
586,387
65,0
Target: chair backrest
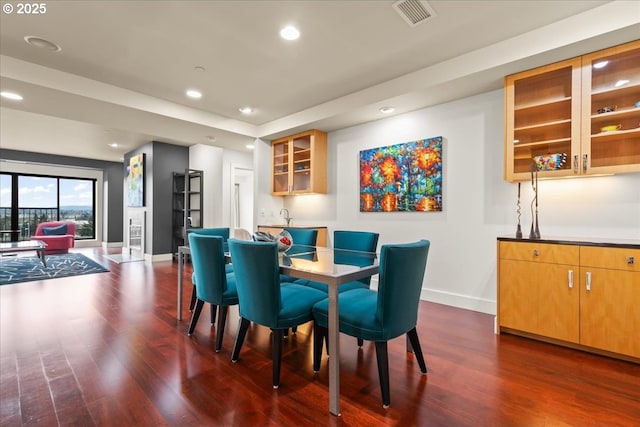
x,y
364,241
207,255
355,240
70,227
242,234
257,280
220,232
402,269
303,236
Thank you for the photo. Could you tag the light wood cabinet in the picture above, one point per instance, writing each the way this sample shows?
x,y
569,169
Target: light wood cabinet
x,y
299,164
611,80
579,295
563,109
610,299
542,296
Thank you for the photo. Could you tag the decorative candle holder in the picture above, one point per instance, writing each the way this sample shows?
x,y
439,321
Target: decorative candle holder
x,y
519,228
535,228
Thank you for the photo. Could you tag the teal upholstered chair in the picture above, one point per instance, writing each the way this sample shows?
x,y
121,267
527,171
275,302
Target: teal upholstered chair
x,y
221,232
263,301
362,241
303,236
300,237
212,283
383,315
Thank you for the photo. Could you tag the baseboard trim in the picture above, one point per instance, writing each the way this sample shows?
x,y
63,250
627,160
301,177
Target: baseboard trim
x,y
458,300
112,244
158,257
454,300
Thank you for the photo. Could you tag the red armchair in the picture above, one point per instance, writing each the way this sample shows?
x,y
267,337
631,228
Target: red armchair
x,y
58,235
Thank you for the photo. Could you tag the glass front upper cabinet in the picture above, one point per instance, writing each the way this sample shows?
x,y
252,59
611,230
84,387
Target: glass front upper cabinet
x,y
576,117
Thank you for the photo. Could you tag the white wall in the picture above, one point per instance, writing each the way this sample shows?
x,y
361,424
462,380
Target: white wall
x,y
233,161
478,204
216,163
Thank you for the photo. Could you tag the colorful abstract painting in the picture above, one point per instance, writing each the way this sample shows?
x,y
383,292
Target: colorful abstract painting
x,y
402,177
135,181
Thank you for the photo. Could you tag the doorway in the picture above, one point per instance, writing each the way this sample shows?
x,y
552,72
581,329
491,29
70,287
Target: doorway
x,y
242,198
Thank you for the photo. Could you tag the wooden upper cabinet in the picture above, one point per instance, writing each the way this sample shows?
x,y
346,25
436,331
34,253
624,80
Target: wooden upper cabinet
x,y
583,119
542,117
611,81
299,164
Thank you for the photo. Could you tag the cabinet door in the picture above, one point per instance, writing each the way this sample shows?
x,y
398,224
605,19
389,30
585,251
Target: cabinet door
x,y
280,162
610,310
518,295
542,118
611,110
301,164
558,302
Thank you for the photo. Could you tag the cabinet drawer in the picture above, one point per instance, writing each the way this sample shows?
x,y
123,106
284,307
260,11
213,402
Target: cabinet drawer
x,y
613,258
540,252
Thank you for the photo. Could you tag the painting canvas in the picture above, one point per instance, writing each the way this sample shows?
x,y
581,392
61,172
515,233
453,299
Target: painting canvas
x,y
402,177
135,181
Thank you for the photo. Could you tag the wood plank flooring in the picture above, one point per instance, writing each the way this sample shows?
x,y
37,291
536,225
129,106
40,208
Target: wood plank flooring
x,y
106,350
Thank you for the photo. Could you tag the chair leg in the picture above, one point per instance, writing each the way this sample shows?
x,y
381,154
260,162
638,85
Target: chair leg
x,y
222,321
383,372
192,303
242,331
417,350
277,335
360,342
195,315
213,313
319,334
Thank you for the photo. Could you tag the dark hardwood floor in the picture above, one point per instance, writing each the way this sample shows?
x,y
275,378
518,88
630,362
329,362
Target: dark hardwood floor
x,y
106,350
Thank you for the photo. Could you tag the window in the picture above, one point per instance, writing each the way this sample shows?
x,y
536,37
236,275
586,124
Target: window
x,y
46,198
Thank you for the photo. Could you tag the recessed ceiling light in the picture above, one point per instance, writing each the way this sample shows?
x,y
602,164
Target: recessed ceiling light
x,y
249,146
289,33
195,94
42,43
114,145
11,95
245,110
200,69
621,82
600,64
387,110
211,138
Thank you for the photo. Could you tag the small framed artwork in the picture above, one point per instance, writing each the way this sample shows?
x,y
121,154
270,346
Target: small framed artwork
x,y
135,181
402,178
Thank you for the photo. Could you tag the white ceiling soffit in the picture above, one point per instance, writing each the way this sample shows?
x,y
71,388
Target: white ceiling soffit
x,y
414,12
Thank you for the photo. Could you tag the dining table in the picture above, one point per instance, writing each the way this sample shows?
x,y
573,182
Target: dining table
x,y
319,264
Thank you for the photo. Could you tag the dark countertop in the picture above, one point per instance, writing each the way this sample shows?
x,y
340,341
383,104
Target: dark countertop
x,y
582,241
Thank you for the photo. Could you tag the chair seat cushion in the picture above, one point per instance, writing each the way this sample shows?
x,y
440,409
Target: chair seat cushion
x,y
358,318
230,295
297,301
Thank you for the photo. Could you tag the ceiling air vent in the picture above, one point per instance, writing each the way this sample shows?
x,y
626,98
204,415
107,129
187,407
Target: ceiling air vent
x,y
414,12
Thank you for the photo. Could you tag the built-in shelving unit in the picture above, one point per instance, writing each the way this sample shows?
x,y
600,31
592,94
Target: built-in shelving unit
x,y
186,204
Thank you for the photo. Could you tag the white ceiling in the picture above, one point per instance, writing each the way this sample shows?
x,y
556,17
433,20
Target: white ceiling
x,y
124,66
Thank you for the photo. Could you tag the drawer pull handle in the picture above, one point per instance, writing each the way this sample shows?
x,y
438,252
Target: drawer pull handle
x,y
588,281
535,252
630,260
570,279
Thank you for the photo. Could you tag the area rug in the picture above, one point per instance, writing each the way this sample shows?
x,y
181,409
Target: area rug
x,y
16,269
